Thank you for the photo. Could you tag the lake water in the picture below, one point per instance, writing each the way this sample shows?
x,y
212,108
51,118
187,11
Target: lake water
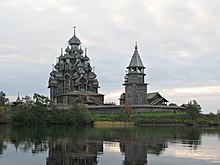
x,y
65,145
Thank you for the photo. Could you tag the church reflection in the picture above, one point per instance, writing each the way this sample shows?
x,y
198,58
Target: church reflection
x,y
65,153
2,147
135,152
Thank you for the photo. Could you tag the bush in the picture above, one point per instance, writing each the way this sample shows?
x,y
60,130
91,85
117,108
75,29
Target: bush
x,y
172,104
79,113
28,114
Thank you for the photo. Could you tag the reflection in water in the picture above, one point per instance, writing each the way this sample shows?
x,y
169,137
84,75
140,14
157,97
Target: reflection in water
x,y
2,147
135,152
84,145
65,153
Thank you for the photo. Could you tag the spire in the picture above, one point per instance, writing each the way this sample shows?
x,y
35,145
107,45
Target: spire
x,y
85,51
136,59
74,30
61,51
136,47
61,54
18,100
86,58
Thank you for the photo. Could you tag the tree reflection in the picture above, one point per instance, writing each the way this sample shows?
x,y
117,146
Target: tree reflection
x,y
193,138
82,145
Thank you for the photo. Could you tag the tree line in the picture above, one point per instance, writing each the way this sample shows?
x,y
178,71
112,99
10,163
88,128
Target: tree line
x,y
39,110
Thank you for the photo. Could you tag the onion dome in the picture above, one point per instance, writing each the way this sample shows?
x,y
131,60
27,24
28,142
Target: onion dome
x,y
80,65
67,49
126,77
74,40
80,50
95,82
57,66
86,58
67,56
61,56
53,73
92,75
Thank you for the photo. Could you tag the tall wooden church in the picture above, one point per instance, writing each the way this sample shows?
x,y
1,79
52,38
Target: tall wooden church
x,y
72,79
135,86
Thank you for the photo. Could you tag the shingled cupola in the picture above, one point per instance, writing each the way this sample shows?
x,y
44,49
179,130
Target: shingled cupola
x,y
72,78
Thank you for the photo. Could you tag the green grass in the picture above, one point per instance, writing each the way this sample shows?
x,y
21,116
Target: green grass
x,y
104,117
158,118
133,116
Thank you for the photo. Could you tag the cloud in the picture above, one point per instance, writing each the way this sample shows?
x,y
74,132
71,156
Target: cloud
x,y
65,6
178,42
209,90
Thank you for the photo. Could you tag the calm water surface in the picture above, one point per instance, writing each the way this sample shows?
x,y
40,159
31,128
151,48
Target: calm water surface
x,y
65,145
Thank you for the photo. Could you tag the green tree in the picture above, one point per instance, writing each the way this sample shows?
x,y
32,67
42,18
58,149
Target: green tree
x,y
31,111
22,113
193,109
3,99
4,114
218,115
41,100
27,100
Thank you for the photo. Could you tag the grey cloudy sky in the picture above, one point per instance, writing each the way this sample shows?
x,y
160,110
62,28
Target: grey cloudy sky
x,y
178,42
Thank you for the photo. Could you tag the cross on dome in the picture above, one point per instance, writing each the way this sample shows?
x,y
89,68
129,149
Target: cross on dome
x,y
74,40
136,47
74,27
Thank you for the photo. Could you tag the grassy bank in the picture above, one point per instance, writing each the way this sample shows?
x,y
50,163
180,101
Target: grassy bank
x,y
79,115
112,124
162,118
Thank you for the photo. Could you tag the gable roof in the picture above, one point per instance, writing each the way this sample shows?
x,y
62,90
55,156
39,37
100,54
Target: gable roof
x,y
151,96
